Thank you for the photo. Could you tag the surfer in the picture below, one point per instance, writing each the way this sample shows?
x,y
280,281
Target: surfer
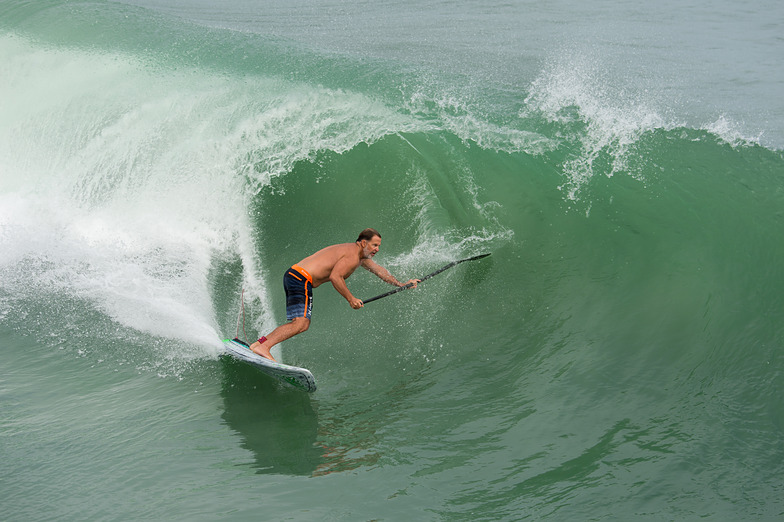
x,y
334,264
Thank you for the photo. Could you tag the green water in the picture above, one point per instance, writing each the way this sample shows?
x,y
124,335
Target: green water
x,y
618,356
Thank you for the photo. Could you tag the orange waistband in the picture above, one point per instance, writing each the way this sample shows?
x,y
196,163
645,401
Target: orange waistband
x,y
303,272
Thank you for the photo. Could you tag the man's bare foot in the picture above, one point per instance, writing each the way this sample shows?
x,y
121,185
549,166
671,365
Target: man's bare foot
x,y
260,349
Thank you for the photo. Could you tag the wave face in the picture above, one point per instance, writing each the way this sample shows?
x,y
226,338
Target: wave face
x,y
619,354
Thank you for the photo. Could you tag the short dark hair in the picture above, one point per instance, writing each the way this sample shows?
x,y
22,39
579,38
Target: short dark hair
x,y
368,234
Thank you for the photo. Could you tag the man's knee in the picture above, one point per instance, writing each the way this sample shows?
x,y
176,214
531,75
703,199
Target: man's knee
x,y
301,323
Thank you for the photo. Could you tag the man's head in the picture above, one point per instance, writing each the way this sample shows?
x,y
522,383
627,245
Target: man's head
x,y
370,241
367,234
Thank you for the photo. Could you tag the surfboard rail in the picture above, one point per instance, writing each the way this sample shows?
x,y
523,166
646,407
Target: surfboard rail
x,y
299,378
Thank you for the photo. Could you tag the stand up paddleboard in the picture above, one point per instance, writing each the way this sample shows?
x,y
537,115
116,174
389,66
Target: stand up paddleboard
x,y
300,378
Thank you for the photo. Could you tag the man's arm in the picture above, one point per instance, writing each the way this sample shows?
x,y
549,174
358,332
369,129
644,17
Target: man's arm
x,y
337,277
384,274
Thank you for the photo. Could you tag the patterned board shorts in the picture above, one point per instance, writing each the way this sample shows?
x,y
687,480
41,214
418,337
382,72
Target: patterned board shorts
x,y
299,292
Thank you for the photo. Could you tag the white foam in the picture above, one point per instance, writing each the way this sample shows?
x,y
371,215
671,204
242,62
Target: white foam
x,y
575,91
730,132
122,183
116,186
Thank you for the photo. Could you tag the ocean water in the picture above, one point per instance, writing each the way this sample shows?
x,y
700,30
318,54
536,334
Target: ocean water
x,y
619,356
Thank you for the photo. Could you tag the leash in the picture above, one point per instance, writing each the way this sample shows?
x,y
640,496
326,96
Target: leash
x,y
241,314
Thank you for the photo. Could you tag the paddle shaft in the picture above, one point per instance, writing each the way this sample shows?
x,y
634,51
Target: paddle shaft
x,y
428,276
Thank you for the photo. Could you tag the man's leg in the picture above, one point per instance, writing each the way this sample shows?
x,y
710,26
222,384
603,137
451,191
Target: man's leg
x,y
279,334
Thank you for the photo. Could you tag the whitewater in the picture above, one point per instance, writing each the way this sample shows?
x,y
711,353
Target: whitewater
x,y
619,355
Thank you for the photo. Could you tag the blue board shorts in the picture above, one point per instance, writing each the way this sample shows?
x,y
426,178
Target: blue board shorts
x,y
299,292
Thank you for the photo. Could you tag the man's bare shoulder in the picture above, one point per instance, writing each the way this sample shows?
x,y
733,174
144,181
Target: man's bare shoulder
x,y
336,251
321,264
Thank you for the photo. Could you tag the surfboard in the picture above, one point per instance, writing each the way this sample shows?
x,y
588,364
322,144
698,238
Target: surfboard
x,y
299,378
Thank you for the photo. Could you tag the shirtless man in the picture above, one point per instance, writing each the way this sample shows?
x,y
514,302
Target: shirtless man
x,y
334,264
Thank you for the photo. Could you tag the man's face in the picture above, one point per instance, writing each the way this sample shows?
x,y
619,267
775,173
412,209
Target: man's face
x,y
371,247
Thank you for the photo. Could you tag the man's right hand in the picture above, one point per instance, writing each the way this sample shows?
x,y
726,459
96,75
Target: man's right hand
x,y
355,303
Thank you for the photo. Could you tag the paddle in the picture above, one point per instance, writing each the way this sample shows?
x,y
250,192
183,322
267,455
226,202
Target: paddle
x,y
428,276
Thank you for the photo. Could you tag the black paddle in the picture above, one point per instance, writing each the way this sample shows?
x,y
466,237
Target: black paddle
x,y
428,276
